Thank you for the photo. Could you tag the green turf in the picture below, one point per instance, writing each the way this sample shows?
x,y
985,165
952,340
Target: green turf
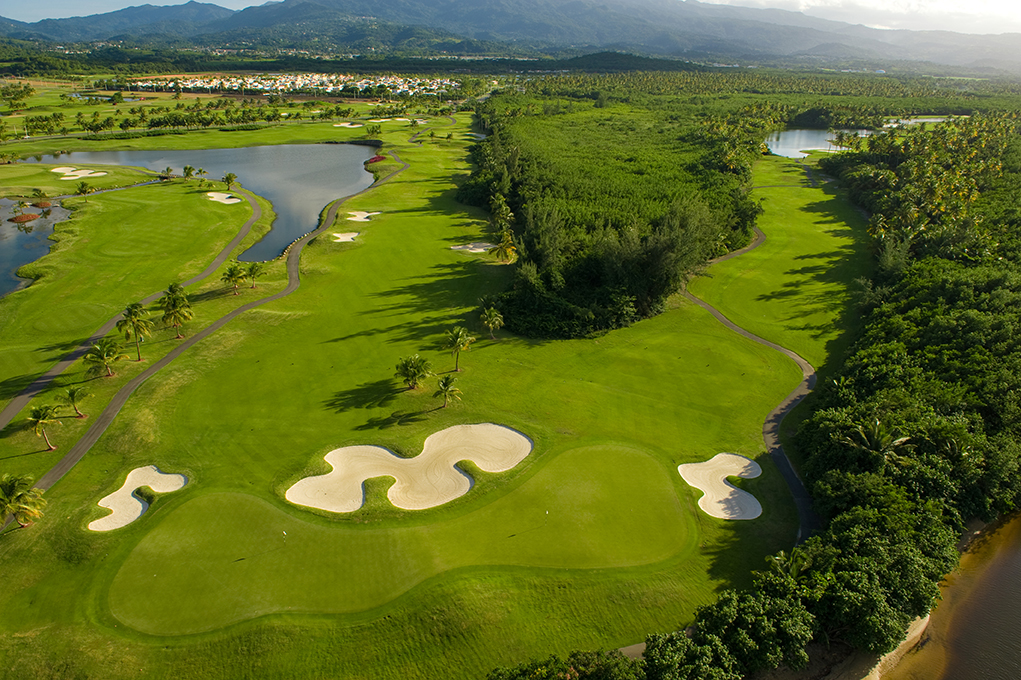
x,y
386,593
795,289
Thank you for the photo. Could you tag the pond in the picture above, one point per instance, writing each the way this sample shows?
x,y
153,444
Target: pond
x,y
299,179
23,243
792,143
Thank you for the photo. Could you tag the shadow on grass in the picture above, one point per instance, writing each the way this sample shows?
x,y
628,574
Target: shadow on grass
x,y
397,418
376,394
12,387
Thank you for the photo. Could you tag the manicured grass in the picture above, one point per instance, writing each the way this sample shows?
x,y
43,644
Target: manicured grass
x,y
795,289
21,179
385,593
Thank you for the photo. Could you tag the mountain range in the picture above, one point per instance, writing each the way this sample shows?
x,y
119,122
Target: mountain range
x,y
675,28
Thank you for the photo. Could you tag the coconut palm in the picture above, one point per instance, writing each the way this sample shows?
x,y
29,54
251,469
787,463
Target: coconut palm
x,y
447,390
19,499
492,319
41,416
234,275
134,321
176,308
102,356
505,249
882,442
83,189
229,179
167,173
72,396
188,172
255,269
412,370
458,340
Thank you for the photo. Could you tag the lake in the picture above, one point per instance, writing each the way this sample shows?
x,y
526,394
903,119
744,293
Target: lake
x,y
299,179
21,244
791,143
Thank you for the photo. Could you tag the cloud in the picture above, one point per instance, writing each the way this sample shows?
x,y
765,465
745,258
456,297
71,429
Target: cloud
x,y
962,16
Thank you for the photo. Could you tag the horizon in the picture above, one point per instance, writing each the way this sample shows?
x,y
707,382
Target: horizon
x,y
978,17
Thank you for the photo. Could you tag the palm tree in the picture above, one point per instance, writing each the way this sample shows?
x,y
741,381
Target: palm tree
x,y
134,321
458,340
83,189
255,269
167,173
505,249
41,416
412,370
102,356
234,276
176,308
201,174
882,442
188,171
19,499
492,319
72,396
447,390
229,179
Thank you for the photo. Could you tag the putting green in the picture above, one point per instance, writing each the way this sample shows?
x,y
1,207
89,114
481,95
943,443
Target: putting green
x,y
226,557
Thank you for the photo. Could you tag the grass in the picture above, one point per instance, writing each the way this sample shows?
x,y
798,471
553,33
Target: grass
x,y
385,593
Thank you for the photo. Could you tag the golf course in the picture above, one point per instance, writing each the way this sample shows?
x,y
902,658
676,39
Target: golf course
x,y
577,532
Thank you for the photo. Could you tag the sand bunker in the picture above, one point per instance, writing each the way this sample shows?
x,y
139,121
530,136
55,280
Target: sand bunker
x,y
221,197
126,506
348,125
477,247
721,498
361,215
425,481
378,120
347,236
71,173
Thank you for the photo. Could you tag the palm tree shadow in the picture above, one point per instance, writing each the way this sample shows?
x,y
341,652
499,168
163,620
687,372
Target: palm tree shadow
x,y
376,394
394,419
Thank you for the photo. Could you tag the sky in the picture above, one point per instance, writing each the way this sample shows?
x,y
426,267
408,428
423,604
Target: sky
x,y
963,16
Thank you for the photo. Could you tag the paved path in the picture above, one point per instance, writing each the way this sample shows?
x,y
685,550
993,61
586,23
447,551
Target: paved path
x,y
808,521
16,404
293,255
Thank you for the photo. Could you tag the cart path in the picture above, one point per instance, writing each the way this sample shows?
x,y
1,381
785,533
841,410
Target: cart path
x,y
104,419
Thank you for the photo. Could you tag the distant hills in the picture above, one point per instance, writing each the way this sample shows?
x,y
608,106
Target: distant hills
x,y
674,28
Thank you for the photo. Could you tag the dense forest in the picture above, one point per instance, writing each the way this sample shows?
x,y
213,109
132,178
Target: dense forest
x,y
920,428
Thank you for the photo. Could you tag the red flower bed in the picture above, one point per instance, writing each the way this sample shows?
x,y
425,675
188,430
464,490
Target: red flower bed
x,y
43,204
376,159
21,219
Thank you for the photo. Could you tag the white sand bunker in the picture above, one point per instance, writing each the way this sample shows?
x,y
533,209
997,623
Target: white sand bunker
x,y
721,498
221,197
347,124
425,481
71,173
126,506
361,215
378,120
477,247
346,236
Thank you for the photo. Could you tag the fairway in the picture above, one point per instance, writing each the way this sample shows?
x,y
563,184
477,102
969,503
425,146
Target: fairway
x,y
591,540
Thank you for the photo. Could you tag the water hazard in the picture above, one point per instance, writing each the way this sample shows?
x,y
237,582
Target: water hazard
x,y
793,143
299,179
25,242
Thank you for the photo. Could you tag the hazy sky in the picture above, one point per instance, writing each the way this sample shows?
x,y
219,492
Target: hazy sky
x,y
965,16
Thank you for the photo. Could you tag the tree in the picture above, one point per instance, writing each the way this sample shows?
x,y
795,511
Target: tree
x,y
167,173
176,308
41,416
412,370
15,94
492,319
458,340
83,189
229,179
880,443
19,499
72,396
447,390
234,276
505,249
102,356
134,321
188,171
255,269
